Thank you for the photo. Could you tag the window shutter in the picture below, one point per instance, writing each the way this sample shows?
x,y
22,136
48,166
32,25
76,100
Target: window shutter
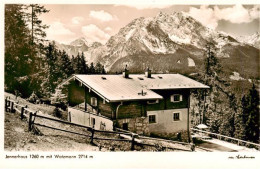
x,y
91,100
95,101
180,97
172,98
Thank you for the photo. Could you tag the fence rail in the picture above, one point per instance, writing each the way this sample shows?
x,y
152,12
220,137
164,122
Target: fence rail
x,y
219,136
31,115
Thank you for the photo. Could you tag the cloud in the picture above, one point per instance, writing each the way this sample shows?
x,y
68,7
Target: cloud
x,y
108,29
77,20
57,28
58,32
255,11
205,15
235,14
146,6
102,16
94,33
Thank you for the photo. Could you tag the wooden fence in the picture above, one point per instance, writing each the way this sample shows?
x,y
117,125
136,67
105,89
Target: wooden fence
x,y
125,136
227,138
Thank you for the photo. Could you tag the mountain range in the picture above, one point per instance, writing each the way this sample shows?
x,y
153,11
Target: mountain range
x,y
170,43
253,40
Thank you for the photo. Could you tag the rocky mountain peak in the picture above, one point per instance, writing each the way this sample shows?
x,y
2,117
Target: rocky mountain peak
x,y
253,40
79,42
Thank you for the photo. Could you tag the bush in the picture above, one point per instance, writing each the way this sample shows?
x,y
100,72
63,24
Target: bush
x,y
60,105
33,98
57,112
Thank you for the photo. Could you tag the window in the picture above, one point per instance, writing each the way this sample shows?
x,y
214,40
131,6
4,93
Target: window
x,y
176,116
176,98
93,121
93,101
152,118
152,101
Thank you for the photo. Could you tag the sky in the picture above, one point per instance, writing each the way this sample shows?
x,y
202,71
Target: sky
x,y
100,22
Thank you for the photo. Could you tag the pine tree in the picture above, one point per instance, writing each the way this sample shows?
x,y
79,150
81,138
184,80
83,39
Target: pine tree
x,y
66,67
37,34
216,106
244,114
103,70
239,125
248,119
212,70
53,69
99,68
37,27
78,64
252,122
18,61
84,69
92,68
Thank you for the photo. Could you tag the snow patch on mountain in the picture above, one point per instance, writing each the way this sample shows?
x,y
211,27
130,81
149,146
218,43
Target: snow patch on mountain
x,y
179,40
157,47
130,33
236,76
191,62
253,40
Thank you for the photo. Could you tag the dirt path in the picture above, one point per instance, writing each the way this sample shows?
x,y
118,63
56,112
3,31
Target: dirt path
x,y
215,147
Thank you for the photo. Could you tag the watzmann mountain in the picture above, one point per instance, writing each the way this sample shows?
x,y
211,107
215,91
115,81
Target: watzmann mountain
x,y
169,43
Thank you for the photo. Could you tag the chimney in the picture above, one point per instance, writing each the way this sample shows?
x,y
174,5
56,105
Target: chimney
x,y
126,72
148,73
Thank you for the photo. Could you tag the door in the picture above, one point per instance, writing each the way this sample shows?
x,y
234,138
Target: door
x,y
125,126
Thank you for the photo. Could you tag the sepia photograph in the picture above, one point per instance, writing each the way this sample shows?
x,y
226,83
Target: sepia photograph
x,y
130,77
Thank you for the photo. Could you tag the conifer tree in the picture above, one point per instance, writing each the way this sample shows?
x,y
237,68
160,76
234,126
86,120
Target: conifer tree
x,y
66,67
37,27
18,61
78,64
52,70
216,106
84,68
103,70
239,125
92,68
98,68
252,120
37,34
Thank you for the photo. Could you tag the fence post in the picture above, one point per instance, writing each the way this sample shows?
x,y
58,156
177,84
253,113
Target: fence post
x,y
92,135
6,106
133,141
192,146
12,107
30,122
22,111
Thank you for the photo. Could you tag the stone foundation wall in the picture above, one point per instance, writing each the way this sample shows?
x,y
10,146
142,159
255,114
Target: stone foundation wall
x,y
177,136
140,125
137,125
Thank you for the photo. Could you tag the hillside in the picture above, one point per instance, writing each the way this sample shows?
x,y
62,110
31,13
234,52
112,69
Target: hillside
x,y
55,140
